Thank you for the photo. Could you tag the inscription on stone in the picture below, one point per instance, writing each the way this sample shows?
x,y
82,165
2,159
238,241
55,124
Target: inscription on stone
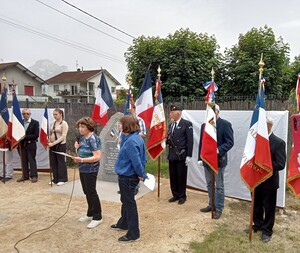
x,y
109,139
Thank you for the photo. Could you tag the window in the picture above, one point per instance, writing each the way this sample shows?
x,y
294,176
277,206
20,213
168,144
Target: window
x,y
74,90
56,87
113,89
91,86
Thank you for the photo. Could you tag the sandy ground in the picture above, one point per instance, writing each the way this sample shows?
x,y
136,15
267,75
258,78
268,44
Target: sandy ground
x,y
165,227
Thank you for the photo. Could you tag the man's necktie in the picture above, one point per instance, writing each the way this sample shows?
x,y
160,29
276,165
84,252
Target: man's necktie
x,y
174,127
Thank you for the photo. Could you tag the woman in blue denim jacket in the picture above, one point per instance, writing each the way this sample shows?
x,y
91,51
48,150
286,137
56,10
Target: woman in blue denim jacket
x,y
130,167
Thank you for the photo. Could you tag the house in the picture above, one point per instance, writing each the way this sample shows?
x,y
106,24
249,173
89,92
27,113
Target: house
x,y
79,86
27,85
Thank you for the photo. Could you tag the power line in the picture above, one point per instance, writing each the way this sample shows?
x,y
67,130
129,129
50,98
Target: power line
x,y
62,41
81,22
85,12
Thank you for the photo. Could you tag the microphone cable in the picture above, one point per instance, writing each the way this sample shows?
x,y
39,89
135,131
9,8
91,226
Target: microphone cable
x,y
59,218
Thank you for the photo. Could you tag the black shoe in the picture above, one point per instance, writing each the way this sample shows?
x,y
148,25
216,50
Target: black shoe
x,y
265,238
217,215
181,201
173,199
115,227
136,190
22,179
205,209
6,179
126,239
1,178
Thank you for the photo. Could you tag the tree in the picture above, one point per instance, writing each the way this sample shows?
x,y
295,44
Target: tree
x,y
185,57
240,71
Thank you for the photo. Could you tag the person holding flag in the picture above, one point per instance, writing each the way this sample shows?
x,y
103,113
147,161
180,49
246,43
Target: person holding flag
x,y
28,147
225,142
216,139
266,192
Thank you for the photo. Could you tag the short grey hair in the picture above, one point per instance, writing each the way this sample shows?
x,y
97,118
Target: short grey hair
x,y
270,121
217,108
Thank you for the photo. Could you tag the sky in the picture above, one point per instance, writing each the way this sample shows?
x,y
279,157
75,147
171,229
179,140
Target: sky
x,y
27,25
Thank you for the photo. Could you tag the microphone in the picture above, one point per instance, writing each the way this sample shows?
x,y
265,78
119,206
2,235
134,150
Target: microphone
x,y
78,138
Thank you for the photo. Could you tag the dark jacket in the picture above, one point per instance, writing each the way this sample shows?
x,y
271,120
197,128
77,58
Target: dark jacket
x,y
225,140
180,141
31,135
278,155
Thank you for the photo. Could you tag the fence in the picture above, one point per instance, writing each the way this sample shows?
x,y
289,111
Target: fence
x,y
75,111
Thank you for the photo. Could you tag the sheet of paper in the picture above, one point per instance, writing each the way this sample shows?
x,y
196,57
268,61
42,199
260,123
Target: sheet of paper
x,y
63,153
150,182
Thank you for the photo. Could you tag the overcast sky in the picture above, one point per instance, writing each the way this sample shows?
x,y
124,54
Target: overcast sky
x,y
226,19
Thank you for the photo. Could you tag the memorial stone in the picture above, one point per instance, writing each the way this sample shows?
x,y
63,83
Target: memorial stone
x,y
109,139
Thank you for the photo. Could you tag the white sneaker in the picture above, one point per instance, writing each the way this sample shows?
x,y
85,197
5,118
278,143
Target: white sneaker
x,y
94,223
61,183
85,218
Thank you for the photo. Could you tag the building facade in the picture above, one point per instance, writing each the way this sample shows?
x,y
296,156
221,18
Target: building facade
x,y
79,86
27,85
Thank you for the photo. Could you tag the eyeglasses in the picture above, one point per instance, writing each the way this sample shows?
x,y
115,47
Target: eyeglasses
x,y
25,113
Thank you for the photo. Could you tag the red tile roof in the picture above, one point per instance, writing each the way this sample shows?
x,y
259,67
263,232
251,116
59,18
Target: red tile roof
x,y
73,76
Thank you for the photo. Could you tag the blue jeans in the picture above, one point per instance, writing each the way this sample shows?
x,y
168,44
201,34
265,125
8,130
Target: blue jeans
x,y
129,214
219,186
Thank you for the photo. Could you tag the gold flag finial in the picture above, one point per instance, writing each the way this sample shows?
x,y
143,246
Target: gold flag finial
x,y
212,74
3,78
261,65
158,72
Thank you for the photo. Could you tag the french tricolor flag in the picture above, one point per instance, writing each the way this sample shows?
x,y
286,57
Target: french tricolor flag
x,y
209,139
4,118
256,164
144,102
16,130
103,102
158,130
44,129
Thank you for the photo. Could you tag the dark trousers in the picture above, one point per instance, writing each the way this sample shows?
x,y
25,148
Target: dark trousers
x,y
178,177
129,214
58,164
29,163
264,210
88,182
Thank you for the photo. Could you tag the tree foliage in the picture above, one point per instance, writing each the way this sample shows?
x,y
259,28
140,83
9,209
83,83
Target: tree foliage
x,y
241,64
186,59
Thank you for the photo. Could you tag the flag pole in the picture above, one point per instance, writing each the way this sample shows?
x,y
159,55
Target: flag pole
x,y
213,173
261,69
158,159
3,152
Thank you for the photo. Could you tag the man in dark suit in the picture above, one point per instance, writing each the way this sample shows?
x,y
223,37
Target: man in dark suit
x,y
180,141
225,143
28,148
266,193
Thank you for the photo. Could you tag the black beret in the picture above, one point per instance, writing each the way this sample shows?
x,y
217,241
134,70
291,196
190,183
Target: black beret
x,y
175,108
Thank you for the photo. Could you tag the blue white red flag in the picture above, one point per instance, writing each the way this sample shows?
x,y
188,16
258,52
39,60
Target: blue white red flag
x,y
103,102
209,139
211,88
4,118
158,131
44,134
128,108
144,102
16,130
256,164
298,92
